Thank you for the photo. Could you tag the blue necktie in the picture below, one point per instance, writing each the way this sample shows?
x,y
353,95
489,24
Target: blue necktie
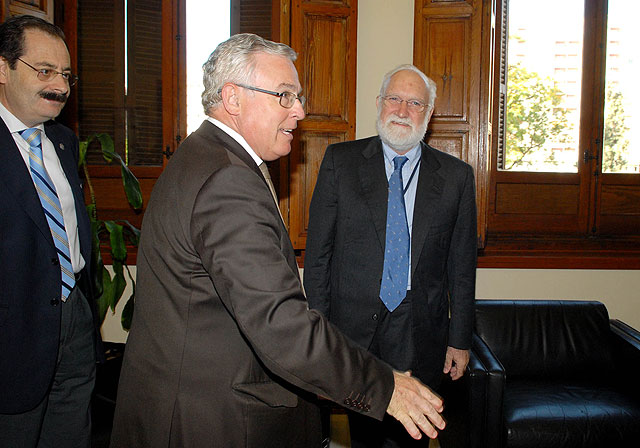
x,y
395,273
51,207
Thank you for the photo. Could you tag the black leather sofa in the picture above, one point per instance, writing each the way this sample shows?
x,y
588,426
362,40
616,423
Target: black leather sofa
x,y
553,374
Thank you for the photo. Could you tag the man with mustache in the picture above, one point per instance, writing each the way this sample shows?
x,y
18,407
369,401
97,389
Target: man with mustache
x,y
48,332
391,246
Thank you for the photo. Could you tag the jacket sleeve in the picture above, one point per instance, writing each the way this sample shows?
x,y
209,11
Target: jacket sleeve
x,y
461,264
320,237
240,239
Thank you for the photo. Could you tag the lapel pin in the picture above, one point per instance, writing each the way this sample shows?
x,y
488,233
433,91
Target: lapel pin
x,y
61,146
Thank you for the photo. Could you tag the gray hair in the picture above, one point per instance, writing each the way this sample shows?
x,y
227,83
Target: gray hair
x,y
233,61
431,86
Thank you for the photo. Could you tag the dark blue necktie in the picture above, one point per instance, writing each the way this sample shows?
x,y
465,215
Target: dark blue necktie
x,y
51,207
395,274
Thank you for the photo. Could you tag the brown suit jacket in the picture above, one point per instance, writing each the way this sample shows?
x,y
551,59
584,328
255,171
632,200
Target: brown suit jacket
x,y
223,349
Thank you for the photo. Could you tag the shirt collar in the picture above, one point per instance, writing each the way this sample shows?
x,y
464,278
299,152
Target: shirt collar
x,y
13,123
413,154
237,137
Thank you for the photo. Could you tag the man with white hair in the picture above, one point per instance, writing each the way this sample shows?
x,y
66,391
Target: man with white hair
x,y
223,349
391,246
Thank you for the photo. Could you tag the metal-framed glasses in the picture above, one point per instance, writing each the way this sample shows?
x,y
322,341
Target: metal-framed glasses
x,y
412,105
47,74
287,99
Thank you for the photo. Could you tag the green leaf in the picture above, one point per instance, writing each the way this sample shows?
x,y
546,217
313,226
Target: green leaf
x,y
134,236
116,240
82,152
106,144
131,187
105,299
127,314
118,284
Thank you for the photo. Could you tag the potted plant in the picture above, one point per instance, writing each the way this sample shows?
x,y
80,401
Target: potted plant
x,y
109,289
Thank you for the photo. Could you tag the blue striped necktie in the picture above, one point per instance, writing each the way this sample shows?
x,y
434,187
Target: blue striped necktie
x,y
51,207
395,273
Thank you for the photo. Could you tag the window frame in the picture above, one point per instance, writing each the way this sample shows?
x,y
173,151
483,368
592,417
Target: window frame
x,y
586,238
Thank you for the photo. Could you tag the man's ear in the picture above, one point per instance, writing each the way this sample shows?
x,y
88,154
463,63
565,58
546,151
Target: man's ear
x,y
4,69
429,113
230,98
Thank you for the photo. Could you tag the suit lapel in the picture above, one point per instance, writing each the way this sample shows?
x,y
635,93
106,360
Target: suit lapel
x,y
428,192
373,180
16,176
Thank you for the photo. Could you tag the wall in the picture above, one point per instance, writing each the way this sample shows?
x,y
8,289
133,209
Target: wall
x,y
385,40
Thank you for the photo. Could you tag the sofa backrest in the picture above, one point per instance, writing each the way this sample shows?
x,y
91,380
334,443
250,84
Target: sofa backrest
x,y
547,338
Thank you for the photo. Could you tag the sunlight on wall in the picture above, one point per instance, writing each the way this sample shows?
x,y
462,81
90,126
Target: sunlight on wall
x,y
208,24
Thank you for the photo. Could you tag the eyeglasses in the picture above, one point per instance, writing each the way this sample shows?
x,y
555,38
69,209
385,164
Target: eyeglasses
x,y
287,99
47,74
412,105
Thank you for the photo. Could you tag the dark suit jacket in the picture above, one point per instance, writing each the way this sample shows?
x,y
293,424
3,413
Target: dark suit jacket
x,y
222,341
30,274
345,248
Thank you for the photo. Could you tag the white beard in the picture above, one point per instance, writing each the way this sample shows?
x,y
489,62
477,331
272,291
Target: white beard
x,y
398,137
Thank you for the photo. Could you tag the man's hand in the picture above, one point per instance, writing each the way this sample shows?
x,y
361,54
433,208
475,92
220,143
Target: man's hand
x,y
455,362
416,406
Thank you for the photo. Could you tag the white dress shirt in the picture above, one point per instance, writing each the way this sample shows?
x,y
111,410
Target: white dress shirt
x,y
59,179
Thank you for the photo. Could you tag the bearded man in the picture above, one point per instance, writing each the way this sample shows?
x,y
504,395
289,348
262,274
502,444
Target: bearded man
x,y
391,246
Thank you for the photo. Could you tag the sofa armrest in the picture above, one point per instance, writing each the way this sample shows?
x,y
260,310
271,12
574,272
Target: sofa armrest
x,y
477,392
495,380
626,332
625,343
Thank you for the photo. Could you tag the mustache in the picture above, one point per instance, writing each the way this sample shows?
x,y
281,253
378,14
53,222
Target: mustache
x,y
53,96
397,119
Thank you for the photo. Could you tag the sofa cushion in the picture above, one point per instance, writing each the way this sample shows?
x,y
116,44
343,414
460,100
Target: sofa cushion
x,y
569,414
549,339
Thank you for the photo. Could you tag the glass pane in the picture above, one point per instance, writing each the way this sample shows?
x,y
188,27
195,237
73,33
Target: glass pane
x,y
543,85
621,152
208,24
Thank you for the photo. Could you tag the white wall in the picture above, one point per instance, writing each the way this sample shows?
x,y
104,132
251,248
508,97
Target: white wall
x,y
385,40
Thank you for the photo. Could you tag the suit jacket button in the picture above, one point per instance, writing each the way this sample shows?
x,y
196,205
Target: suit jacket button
x,y
55,261
347,401
375,316
367,408
54,302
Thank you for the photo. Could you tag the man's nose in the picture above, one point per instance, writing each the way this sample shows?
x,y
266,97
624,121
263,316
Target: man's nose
x,y
59,84
298,110
403,110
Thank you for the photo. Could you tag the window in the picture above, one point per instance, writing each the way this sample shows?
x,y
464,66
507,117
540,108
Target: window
x,y
120,68
565,161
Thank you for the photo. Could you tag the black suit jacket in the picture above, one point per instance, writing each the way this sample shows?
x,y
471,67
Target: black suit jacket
x,y
345,248
30,273
222,342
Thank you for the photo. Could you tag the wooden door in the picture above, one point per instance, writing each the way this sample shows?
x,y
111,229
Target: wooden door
x,y
452,45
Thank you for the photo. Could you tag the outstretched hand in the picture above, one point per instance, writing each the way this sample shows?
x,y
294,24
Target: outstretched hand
x,y
416,406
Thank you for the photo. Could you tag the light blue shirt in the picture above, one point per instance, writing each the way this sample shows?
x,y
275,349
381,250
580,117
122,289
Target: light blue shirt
x,y
410,184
